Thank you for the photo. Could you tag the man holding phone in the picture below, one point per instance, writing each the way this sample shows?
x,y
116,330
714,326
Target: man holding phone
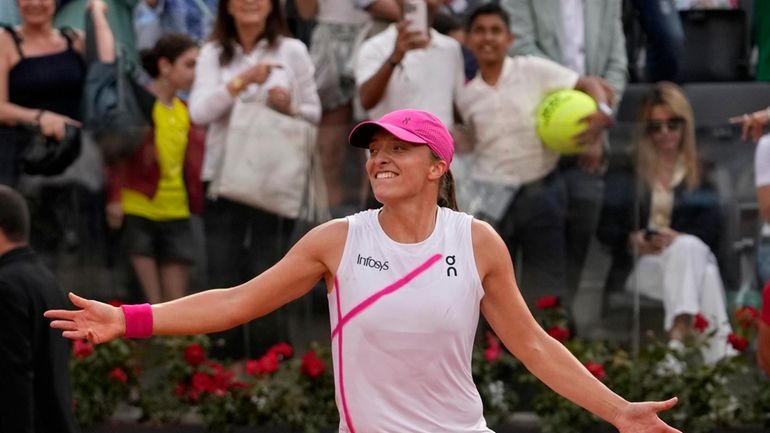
x,y
410,65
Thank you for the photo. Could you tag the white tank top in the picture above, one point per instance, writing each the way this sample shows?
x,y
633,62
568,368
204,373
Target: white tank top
x,y
403,320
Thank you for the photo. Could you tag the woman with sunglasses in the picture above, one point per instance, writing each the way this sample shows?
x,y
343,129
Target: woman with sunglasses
x,y
677,225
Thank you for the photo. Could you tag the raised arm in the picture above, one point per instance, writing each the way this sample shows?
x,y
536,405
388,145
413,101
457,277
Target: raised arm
x,y
105,41
377,72
507,313
215,310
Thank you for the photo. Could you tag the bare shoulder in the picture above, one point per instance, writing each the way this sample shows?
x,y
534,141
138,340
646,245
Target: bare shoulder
x,y
323,244
6,40
327,237
484,235
7,48
488,247
79,40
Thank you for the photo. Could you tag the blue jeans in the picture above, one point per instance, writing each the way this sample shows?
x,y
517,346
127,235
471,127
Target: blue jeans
x,y
534,225
665,38
585,194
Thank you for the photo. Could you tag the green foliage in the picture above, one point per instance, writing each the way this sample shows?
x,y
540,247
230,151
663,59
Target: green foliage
x,y
171,378
102,377
729,393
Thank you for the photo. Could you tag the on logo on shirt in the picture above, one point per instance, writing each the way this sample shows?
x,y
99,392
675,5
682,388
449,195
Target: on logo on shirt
x,y
451,271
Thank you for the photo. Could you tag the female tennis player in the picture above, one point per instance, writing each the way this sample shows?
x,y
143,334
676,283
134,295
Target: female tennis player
x,y
405,285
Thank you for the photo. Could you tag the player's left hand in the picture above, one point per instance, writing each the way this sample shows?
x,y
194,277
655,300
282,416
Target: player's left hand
x,y
643,417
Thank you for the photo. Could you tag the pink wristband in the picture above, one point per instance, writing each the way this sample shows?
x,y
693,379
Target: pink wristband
x,y
138,320
765,314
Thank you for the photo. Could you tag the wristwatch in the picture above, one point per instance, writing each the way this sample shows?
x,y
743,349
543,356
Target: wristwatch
x,y
607,110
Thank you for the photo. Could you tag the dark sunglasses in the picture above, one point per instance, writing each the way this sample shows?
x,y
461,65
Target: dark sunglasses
x,y
674,124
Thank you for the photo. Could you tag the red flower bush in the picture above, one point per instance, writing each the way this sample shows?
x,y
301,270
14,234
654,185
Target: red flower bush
x,y
560,333
283,350
547,302
597,369
265,365
312,365
194,354
117,374
738,342
82,349
701,323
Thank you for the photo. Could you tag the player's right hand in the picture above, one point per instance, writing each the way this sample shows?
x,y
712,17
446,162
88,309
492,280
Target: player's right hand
x,y
94,321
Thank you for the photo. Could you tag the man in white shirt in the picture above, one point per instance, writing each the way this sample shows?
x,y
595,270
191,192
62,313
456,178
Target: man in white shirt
x,y
586,36
498,106
399,69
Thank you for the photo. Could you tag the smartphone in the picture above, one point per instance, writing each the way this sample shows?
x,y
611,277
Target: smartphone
x,y
416,12
649,233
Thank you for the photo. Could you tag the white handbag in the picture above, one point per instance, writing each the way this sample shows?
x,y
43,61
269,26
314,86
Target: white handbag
x,y
266,161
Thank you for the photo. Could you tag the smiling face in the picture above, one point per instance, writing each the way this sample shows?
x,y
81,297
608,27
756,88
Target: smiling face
x,y
37,12
399,170
489,38
249,12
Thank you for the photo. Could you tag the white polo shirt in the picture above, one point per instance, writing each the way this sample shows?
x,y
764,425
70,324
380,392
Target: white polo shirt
x,y
428,79
502,118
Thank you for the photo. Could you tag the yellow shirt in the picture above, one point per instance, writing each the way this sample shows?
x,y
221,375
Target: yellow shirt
x,y
172,125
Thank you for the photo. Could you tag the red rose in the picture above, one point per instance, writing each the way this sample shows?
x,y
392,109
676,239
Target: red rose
x,y
222,378
283,350
739,343
559,332
547,302
269,363
493,351
264,365
253,367
194,354
312,365
701,323
179,390
597,369
117,374
747,317
82,349
201,382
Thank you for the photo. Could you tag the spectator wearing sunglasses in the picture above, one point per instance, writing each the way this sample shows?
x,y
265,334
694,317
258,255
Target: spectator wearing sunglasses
x,y
677,225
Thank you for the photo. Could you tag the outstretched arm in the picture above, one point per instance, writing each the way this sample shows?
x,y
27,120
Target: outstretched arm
x,y
507,313
219,309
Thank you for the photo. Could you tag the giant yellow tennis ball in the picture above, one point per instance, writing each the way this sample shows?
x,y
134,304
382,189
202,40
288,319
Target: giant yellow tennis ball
x,y
558,119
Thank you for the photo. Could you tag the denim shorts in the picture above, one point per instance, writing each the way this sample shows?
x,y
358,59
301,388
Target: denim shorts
x,y
166,241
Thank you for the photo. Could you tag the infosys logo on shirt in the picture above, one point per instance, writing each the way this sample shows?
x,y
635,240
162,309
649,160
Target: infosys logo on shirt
x,y
372,263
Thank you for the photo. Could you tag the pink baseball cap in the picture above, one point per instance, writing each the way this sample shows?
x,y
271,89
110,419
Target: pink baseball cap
x,y
412,126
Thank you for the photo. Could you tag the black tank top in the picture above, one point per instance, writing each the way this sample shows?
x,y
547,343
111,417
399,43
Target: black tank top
x,y
52,82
